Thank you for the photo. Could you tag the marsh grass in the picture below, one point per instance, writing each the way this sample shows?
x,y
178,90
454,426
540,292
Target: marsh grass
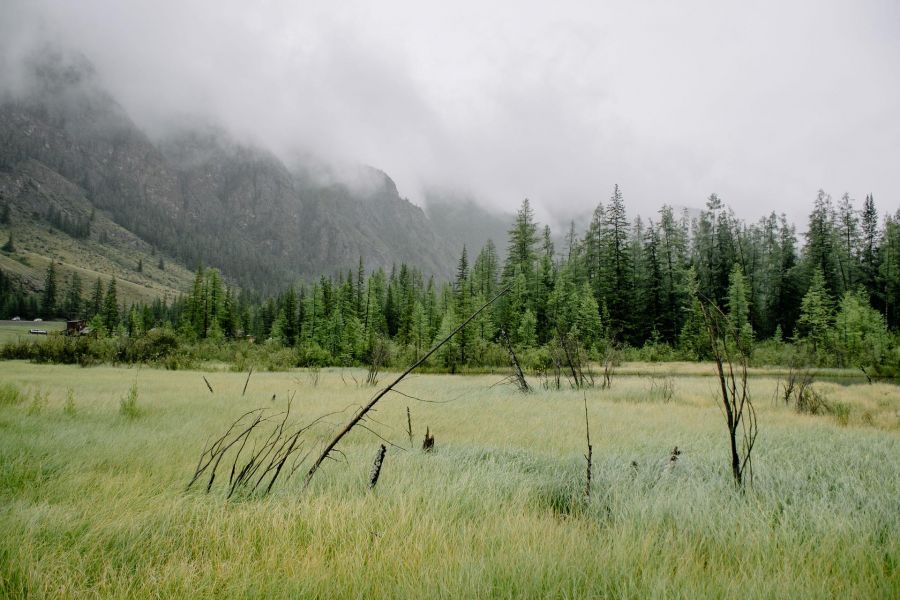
x,y
91,508
9,394
69,407
39,401
128,405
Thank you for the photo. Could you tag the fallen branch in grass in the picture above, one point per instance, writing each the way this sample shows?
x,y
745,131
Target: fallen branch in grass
x,y
206,381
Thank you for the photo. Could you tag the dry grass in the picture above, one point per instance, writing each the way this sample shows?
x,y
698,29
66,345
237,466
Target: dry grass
x,y
93,503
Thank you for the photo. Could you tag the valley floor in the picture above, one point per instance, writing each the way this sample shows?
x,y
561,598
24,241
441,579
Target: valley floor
x,y
93,501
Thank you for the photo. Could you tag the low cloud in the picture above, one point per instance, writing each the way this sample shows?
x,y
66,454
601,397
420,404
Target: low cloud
x,y
761,102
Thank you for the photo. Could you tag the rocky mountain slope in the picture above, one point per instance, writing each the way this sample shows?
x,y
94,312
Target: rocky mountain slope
x,y
197,195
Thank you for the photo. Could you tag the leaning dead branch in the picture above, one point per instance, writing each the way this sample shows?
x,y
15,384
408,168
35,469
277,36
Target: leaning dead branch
x,y
589,457
206,381
249,373
326,452
518,376
732,356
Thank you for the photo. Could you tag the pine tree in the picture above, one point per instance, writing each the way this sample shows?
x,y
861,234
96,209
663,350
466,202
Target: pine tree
x,y
618,255
48,298
73,298
739,308
96,305
463,307
869,247
814,324
111,307
820,244
847,247
290,328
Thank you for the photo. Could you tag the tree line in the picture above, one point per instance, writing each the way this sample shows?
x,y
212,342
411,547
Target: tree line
x,y
629,283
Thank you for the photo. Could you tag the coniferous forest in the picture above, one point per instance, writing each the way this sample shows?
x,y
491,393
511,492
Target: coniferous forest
x,y
830,293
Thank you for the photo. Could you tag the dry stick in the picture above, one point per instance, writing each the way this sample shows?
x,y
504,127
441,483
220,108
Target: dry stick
x,y
409,426
207,384
376,466
520,380
362,412
863,369
590,453
249,373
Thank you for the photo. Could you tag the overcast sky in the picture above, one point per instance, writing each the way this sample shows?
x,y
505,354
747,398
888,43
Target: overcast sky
x,y
762,102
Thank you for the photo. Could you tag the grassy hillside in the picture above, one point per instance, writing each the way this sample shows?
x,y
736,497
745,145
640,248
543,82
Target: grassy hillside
x,y
95,502
109,251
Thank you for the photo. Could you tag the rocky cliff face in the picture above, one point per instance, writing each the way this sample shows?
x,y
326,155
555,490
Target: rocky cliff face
x,y
200,196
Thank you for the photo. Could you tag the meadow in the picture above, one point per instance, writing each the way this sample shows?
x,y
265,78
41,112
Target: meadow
x,y
14,331
93,500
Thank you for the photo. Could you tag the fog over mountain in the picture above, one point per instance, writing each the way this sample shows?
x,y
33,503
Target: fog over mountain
x,y
762,103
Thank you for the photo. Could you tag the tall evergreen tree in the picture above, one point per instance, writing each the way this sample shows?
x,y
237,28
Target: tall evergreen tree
x,y
110,312
48,299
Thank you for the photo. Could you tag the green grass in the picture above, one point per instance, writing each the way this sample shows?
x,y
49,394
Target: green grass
x,y
92,502
13,331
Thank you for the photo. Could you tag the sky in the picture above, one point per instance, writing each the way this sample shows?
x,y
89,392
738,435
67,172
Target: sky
x,y
761,102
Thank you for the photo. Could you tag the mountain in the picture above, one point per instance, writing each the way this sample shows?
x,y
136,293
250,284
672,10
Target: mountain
x,y
196,195
465,222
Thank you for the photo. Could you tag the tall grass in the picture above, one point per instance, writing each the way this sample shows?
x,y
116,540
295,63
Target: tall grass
x,y
92,508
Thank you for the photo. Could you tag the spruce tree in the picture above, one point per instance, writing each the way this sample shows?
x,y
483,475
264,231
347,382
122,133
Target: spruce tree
x,y
73,298
618,255
111,307
814,324
48,298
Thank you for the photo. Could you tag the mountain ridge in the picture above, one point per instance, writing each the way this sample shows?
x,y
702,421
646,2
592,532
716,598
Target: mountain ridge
x,y
199,196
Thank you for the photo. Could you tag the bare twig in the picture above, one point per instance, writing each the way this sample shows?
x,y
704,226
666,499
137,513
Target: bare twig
x,y
205,380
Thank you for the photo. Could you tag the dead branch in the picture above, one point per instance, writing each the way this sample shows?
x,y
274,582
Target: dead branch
x,y
249,373
376,466
518,375
728,348
590,451
428,442
409,426
206,381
